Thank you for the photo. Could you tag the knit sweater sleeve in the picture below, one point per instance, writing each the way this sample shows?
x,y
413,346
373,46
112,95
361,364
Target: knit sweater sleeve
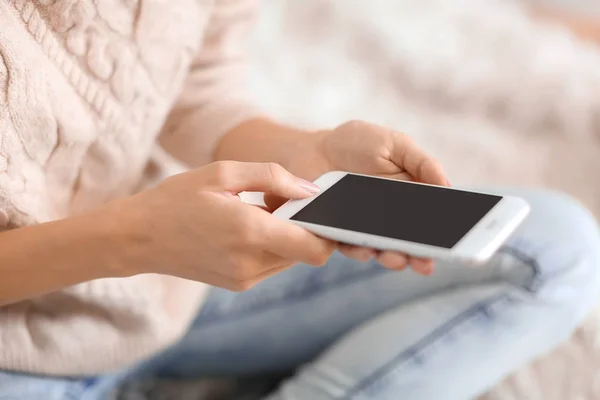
x,y
93,327
82,91
214,98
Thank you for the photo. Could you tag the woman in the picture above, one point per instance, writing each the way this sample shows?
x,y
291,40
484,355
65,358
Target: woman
x,y
111,271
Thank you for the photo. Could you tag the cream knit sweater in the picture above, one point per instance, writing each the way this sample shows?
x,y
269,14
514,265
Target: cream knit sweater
x,y
88,90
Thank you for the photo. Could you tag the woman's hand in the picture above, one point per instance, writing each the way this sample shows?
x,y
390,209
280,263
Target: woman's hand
x,y
369,149
373,150
355,147
194,226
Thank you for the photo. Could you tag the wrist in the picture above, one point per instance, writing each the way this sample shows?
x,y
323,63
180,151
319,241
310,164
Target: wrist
x,y
308,159
119,238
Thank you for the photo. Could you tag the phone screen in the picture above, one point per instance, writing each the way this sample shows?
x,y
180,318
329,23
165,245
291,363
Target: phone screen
x,y
416,213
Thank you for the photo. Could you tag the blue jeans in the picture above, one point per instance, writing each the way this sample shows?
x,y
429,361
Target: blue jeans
x,y
355,330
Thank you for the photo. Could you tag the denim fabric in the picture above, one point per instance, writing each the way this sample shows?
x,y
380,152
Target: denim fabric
x,y
354,330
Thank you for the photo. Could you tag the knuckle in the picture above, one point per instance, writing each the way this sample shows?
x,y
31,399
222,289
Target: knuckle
x,y
354,124
245,268
276,172
433,166
275,169
430,165
436,164
242,286
241,269
406,139
390,263
320,258
223,170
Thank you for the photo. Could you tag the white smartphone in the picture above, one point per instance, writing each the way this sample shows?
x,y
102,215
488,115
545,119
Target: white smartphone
x,y
413,218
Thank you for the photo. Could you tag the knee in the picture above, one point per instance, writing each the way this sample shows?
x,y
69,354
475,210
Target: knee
x,y
567,218
569,224
564,240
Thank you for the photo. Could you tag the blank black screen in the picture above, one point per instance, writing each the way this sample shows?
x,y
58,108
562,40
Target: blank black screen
x,y
415,213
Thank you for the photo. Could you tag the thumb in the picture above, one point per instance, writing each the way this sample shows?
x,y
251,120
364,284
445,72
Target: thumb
x,y
270,178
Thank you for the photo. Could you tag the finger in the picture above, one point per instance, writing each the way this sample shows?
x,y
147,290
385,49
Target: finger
x,y
420,165
218,280
290,241
393,260
260,207
236,177
231,195
358,253
260,265
422,266
278,265
265,264
240,285
268,262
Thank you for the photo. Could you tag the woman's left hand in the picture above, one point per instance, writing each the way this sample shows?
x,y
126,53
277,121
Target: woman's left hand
x,y
369,149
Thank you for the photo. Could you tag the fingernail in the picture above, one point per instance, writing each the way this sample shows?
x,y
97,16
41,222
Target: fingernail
x,y
448,182
308,186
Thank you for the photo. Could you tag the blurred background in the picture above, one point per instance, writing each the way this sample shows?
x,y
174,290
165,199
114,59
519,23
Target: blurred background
x,y
502,92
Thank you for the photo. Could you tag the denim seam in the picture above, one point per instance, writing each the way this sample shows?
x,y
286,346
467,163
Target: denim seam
x,y
461,318
294,297
312,290
528,260
412,351
310,380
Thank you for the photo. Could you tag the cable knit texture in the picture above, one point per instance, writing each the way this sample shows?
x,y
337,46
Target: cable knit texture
x,y
88,90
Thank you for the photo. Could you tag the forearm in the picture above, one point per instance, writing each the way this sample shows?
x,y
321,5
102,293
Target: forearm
x,y
48,257
585,26
262,140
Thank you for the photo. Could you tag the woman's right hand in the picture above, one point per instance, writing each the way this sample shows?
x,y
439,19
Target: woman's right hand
x,y
194,226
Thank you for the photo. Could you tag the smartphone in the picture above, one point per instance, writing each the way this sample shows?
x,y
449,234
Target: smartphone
x,y
413,218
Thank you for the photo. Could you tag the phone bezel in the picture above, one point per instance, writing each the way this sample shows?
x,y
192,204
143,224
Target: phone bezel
x,y
477,246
